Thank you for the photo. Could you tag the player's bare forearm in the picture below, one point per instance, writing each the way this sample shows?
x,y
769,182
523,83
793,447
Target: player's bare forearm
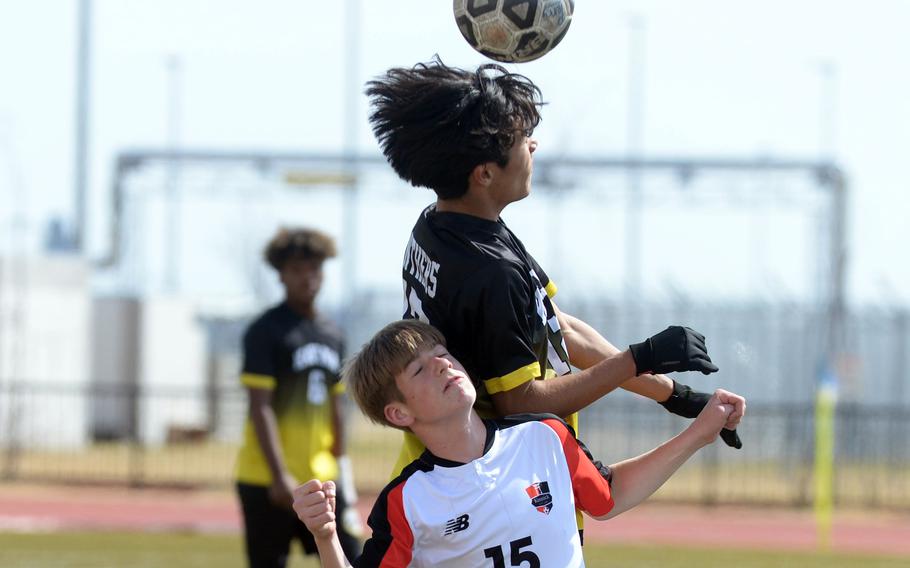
x,y
656,387
265,425
338,428
587,348
570,393
636,479
331,554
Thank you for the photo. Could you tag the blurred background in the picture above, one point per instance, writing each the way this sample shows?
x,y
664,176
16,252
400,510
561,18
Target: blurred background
x,y
732,167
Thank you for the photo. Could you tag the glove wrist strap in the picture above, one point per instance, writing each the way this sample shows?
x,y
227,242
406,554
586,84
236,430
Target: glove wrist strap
x,y
684,401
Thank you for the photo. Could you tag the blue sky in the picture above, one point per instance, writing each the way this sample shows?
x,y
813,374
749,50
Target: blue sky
x,y
721,78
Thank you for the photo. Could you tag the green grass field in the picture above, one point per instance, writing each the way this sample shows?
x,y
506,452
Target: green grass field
x,y
154,550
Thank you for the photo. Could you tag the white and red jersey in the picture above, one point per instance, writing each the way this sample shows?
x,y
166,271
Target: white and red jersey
x,y
514,506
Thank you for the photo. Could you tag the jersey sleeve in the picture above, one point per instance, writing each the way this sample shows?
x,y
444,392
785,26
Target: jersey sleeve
x,y
590,479
501,303
545,281
259,366
392,542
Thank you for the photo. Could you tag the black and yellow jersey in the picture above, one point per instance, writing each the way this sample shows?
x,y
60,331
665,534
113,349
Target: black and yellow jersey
x,y
472,279
300,360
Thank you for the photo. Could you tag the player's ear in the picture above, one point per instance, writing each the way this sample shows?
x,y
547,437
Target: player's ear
x,y
481,175
282,276
399,414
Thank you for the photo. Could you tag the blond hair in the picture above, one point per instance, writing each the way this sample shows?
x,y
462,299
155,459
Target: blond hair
x,y
370,375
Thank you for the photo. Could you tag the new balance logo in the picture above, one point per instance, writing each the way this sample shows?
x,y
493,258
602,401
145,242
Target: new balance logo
x,y
457,524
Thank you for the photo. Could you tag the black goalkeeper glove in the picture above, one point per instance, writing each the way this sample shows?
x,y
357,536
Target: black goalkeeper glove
x,y
689,403
674,349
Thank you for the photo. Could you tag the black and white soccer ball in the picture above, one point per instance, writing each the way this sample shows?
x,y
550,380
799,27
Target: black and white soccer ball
x,y
513,31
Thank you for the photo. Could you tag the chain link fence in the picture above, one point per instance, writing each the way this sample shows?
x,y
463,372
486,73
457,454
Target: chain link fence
x,y
188,437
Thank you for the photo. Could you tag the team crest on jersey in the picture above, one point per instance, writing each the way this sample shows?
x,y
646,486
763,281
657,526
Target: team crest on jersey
x,y
540,496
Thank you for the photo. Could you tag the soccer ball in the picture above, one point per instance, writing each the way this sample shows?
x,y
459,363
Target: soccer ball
x,y
513,31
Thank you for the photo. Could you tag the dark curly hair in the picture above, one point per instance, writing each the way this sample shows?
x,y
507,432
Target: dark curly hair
x,y
436,123
303,243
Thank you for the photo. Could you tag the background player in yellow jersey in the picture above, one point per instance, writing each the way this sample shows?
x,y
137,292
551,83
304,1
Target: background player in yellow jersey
x,y
295,428
468,136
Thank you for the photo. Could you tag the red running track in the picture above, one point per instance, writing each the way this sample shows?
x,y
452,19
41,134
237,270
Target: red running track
x,y
31,508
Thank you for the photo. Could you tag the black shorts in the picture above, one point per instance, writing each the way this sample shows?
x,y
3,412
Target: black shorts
x,y
269,530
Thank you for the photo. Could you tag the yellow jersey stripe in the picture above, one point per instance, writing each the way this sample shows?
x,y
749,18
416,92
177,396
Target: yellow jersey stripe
x,y
258,381
551,288
517,377
339,388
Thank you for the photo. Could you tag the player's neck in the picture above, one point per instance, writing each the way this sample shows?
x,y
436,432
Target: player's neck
x,y
462,442
304,309
468,204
